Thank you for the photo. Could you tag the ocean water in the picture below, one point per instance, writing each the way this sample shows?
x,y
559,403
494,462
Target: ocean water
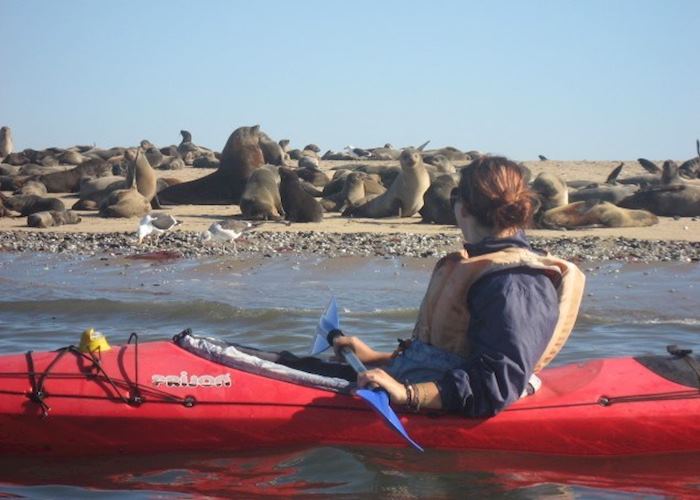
x,y
47,300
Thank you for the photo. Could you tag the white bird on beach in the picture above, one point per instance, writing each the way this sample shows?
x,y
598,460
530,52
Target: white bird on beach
x,y
228,231
158,224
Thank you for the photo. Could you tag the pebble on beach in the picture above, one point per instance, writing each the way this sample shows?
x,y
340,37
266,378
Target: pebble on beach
x,y
271,244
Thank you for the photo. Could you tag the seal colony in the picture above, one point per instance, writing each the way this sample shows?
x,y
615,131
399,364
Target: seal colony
x,y
384,189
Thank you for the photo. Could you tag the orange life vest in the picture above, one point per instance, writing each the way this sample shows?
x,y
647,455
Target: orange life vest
x,y
443,318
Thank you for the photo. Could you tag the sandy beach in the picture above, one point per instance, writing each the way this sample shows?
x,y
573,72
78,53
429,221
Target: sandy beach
x,y
197,218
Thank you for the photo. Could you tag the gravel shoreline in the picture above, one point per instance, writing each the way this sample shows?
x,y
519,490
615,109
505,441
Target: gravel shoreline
x,y
271,244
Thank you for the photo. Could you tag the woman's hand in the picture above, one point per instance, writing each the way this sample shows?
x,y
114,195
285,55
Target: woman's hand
x,y
363,351
378,377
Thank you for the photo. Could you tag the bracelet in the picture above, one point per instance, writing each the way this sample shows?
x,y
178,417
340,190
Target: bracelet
x,y
413,397
407,386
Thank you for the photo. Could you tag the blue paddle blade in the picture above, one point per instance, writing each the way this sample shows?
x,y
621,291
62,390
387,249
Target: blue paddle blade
x,y
328,321
378,399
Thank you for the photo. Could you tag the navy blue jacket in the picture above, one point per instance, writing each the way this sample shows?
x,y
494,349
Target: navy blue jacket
x,y
513,315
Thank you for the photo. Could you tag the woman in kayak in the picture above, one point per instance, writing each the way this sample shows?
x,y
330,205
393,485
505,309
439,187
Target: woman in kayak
x,y
494,313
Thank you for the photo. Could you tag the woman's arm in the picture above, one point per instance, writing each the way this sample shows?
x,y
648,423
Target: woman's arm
x,y
363,351
423,395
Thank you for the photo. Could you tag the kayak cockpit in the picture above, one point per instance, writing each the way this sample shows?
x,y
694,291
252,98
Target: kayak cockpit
x,y
285,366
682,367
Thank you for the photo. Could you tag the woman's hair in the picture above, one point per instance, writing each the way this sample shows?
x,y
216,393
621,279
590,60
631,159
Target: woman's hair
x,y
493,189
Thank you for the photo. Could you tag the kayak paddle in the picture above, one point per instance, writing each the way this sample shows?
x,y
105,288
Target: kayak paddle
x,y
327,330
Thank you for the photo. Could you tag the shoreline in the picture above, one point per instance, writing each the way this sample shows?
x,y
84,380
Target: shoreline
x,y
270,244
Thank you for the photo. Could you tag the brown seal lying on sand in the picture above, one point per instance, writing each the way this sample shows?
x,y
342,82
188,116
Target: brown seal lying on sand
x,y
68,181
29,204
596,213
674,200
53,218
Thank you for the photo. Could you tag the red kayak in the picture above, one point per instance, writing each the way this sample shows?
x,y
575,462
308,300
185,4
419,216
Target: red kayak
x,y
167,396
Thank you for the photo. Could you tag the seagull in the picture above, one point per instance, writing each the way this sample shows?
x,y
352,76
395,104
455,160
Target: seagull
x,y
228,231
159,224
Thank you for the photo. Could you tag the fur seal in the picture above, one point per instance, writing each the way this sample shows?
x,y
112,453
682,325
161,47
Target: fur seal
x,y
307,161
17,159
242,154
4,212
186,143
205,161
653,178
53,218
272,151
12,182
675,200
169,150
313,175
339,155
667,174
451,153
71,157
68,181
127,202
405,196
610,191
649,166
388,152
146,180
29,204
105,154
691,168
32,187
261,198
6,146
37,170
440,166
50,161
387,173
10,170
94,191
309,157
352,194
173,163
436,201
442,163
153,155
596,213
551,191
298,205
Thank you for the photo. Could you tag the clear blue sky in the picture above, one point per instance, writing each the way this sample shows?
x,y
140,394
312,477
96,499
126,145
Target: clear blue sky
x,y
594,79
